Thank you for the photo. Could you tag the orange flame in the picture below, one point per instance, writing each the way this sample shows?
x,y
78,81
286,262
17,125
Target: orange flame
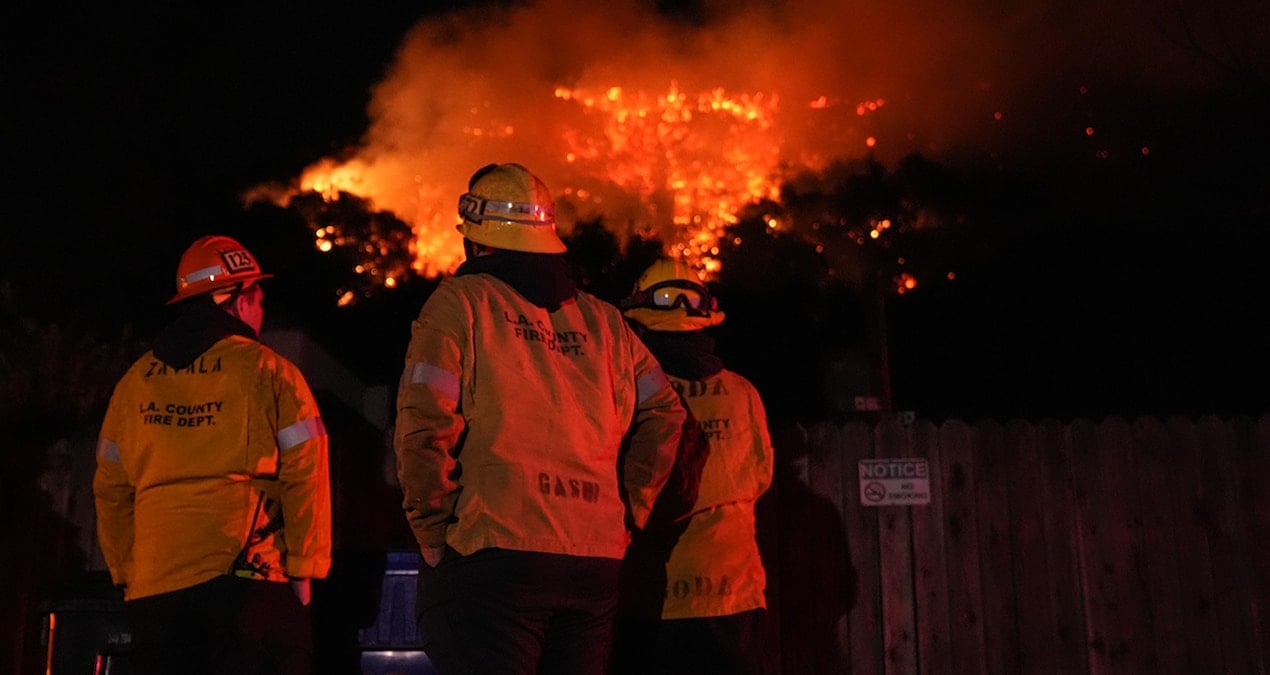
x,y
689,161
712,152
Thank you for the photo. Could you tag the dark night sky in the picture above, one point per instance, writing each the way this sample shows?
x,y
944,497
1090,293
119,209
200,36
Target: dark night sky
x,y
129,134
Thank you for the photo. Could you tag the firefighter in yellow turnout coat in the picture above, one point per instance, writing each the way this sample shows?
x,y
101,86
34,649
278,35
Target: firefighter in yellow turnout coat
x,y
715,580
533,428
212,482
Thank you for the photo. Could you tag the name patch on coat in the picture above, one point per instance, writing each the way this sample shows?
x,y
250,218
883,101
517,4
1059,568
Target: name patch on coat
x,y
693,587
569,488
200,366
716,429
567,342
695,388
198,414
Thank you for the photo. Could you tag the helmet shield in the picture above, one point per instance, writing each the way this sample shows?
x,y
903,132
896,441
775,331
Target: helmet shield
x,y
508,207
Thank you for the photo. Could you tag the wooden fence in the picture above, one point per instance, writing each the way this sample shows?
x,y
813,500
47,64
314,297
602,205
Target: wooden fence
x,y
1078,547
1110,547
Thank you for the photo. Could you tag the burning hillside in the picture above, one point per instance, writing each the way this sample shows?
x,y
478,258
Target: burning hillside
x,y
657,125
665,131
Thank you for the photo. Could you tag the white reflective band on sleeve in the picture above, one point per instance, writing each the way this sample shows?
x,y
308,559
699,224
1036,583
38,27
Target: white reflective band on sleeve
x,y
650,383
107,450
300,432
442,381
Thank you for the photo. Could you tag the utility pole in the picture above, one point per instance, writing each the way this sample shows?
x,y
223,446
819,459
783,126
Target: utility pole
x,y
881,361
879,350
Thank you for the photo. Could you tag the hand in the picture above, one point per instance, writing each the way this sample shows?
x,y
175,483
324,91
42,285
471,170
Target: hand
x,y
433,554
300,586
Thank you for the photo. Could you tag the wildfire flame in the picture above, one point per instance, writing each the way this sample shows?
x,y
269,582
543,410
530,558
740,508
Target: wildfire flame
x,y
712,151
654,130
689,161
758,92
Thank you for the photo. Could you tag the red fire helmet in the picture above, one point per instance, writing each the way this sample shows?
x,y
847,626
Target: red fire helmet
x,y
215,263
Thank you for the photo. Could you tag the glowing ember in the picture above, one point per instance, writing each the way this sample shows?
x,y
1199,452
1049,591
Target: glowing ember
x,y
905,282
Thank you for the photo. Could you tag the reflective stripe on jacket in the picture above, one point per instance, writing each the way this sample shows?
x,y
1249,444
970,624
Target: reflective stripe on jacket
x,y
186,458
715,568
510,420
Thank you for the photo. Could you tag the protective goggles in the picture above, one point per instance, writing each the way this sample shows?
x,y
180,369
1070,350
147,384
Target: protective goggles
x,y
475,209
678,294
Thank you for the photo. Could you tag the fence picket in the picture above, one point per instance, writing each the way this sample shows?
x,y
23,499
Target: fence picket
x,y
1157,558
929,556
1256,503
965,593
1059,519
1227,544
1036,619
895,552
865,621
992,510
1194,560
831,568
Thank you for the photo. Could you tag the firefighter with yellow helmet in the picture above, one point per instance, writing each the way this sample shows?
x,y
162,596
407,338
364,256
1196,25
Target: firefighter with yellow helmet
x,y
712,595
212,487
533,429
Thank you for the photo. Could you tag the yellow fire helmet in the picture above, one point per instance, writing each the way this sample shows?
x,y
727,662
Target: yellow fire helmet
x,y
670,296
215,263
508,207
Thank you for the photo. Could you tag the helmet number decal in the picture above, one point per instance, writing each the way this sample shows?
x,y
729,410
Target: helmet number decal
x,y
471,207
238,261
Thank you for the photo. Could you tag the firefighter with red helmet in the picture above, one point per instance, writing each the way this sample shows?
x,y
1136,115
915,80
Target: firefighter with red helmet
x,y
533,429
711,598
212,487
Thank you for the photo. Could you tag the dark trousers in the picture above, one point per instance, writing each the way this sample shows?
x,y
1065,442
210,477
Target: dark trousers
x,y
228,625
719,644
500,611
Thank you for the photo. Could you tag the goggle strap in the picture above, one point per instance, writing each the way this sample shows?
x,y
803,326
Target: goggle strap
x,y
647,297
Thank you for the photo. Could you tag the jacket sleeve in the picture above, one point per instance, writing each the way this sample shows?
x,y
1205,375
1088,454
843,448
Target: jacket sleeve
x,y
676,500
653,439
114,497
429,423
303,477
763,459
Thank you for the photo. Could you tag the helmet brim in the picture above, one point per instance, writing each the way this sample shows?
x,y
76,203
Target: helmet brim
x,y
195,290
